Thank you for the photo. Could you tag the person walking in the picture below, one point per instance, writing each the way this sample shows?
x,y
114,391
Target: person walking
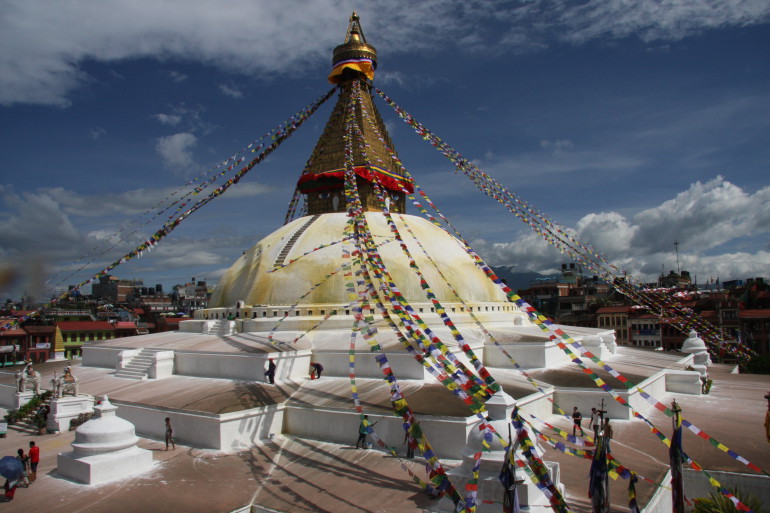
x,y
577,420
10,488
169,434
363,431
408,442
270,372
24,459
596,422
34,460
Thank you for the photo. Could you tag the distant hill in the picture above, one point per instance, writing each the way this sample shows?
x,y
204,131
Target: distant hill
x,y
516,280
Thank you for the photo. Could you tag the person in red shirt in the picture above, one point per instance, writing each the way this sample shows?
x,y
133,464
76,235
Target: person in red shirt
x,y
34,459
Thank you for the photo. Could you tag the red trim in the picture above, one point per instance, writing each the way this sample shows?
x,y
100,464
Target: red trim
x,y
326,180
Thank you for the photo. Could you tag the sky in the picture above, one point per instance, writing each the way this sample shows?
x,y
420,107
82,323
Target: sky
x,y
637,124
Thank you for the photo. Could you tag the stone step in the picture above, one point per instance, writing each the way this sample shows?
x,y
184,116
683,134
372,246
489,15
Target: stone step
x,y
131,371
131,374
136,368
24,427
140,363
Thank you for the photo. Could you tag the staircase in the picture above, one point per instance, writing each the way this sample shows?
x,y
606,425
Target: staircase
x,y
281,258
139,365
27,424
221,328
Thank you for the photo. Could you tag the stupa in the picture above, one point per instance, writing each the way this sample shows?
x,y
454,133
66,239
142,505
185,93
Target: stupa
x,y
298,296
290,298
695,346
293,298
104,449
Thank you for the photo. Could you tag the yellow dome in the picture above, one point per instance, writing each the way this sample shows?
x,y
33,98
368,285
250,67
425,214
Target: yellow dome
x,y
249,280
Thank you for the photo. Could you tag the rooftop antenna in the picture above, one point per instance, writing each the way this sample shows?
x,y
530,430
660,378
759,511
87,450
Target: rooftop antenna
x,y
676,245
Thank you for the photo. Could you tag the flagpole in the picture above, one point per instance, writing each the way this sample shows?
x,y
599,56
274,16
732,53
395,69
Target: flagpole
x,y
607,434
676,458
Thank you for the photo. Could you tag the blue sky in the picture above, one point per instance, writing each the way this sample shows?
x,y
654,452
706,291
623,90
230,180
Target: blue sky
x,y
636,124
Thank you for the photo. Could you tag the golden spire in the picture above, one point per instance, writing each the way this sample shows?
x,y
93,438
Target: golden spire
x,y
323,179
354,54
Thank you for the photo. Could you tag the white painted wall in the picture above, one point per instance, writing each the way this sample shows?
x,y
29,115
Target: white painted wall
x,y
683,382
337,363
104,357
446,435
210,431
248,367
528,355
655,386
587,398
696,484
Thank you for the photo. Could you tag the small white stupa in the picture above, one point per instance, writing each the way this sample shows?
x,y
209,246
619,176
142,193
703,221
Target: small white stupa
x,y
104,449
499,408
695,346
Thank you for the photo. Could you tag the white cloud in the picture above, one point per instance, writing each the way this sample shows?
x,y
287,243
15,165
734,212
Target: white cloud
x,y
176,76
557,146
97,133
654,21
701,218
252,37
230,91
176,150
168,119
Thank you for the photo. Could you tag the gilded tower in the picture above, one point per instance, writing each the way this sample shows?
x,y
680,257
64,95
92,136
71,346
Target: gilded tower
x,y
322,181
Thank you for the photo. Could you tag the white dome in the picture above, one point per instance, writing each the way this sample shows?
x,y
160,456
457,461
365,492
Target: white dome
x,y
249,280
694,344
104,433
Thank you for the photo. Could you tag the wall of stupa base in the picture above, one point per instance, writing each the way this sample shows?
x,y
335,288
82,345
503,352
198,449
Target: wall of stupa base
x,y
683,382
104,467
490,489
10,397
447,435
248,367
206,430
665,382
104,357
696,483
587,398
337,363
538,404
305,316
529,355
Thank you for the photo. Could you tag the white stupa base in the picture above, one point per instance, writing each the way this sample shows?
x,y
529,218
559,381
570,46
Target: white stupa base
x,y
22,398
64,409
104,467
530,497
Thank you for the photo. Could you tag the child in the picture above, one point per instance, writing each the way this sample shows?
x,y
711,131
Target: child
x,y
169,434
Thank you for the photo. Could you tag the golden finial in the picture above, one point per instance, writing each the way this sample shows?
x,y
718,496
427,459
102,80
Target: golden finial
x,y
354,54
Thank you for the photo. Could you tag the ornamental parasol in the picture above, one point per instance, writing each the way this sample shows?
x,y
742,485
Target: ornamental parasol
x,y
11,468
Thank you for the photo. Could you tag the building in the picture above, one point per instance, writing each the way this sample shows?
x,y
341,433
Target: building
x,y
75,333
568,298
193,295
616,318
644,329
113,289
755,329
13,344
